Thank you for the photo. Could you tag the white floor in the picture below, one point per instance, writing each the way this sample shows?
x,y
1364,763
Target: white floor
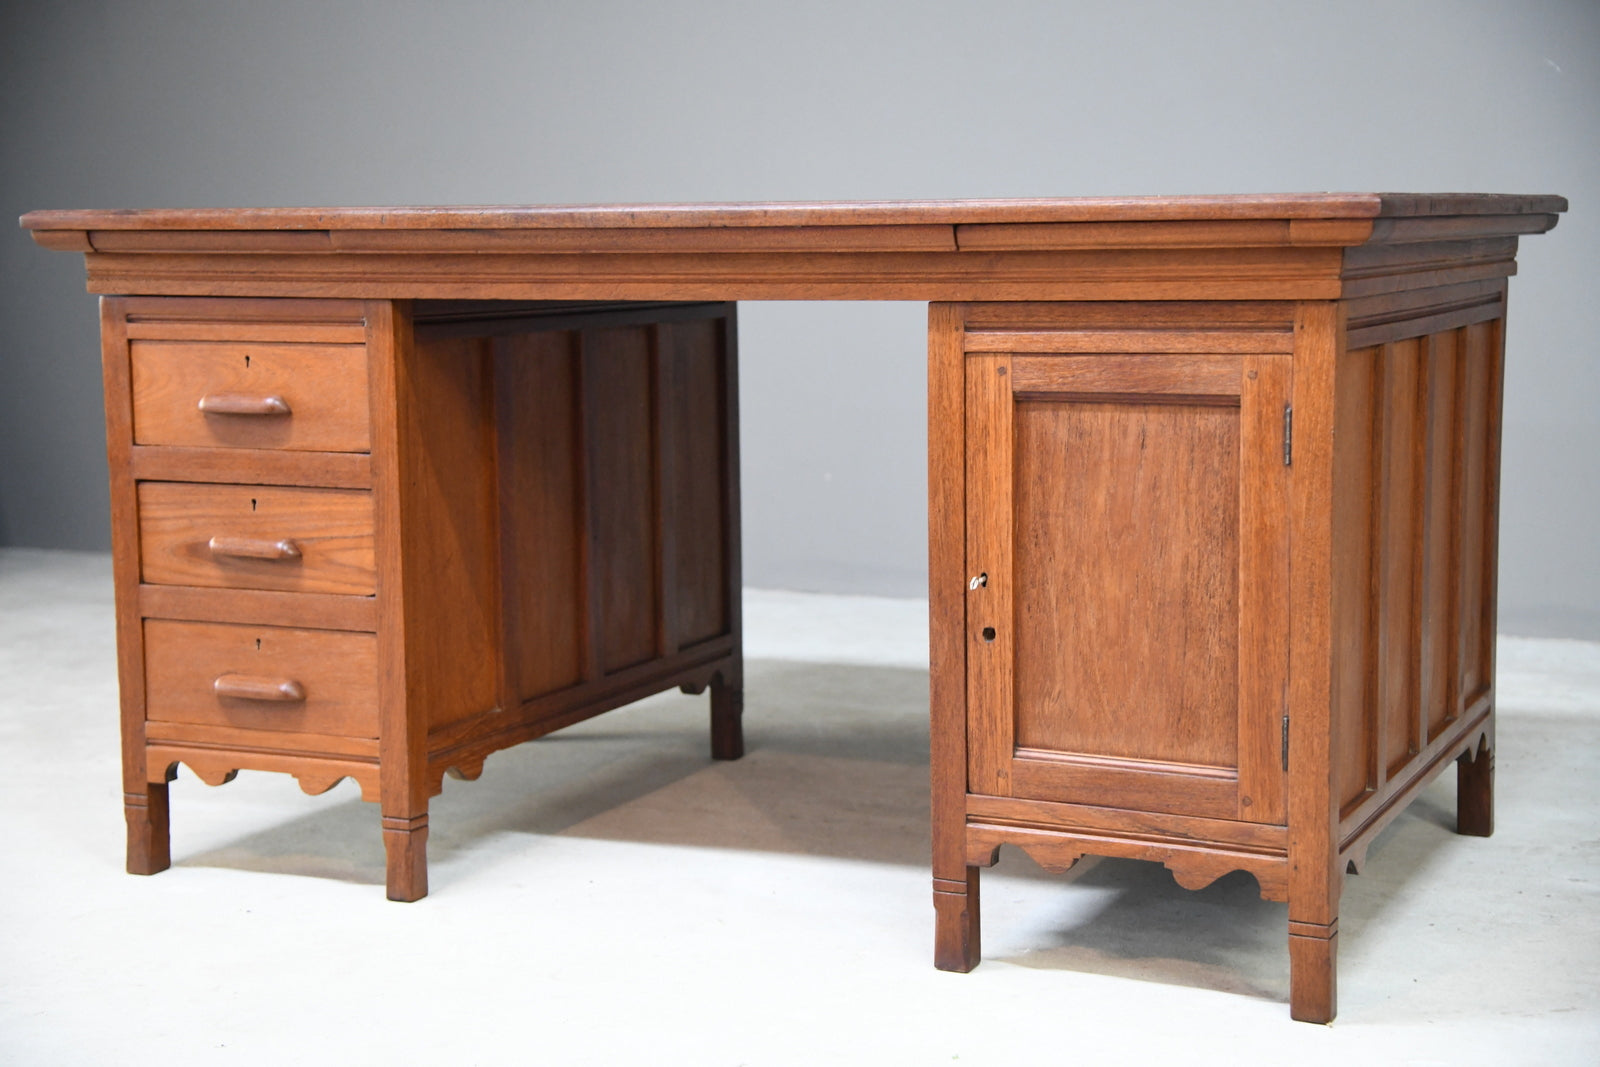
x,y
610,896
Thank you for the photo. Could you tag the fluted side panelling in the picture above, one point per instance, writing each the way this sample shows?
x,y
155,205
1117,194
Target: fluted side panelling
x,y
1414,545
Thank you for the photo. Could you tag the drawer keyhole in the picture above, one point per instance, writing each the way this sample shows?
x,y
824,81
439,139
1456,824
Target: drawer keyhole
x,y
988,633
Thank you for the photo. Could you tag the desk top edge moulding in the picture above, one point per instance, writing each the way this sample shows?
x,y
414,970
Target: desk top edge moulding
x,y
1213,506
1263,247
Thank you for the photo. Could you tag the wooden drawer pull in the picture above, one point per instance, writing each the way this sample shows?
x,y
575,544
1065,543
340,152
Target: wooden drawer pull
x,y
250,687
243,404
253,548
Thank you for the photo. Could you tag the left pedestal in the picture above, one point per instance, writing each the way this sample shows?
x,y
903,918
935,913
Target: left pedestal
x,y
381,540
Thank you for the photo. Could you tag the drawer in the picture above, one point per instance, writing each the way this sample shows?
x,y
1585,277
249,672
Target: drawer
x,y
241,394
257,537
261,677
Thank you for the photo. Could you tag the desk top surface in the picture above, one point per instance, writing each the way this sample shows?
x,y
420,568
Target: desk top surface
x,y
1252,206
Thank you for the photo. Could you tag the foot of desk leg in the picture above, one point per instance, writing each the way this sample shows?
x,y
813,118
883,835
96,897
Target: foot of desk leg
x,y
957,941
1475,792
1313,956
149,833
727,725
405,846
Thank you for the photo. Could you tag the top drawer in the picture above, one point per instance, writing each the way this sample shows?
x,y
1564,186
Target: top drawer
x,y
247,394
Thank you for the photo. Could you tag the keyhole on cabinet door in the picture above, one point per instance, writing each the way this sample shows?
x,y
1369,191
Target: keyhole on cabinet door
x,y
258,644
988,633
252,505
247,361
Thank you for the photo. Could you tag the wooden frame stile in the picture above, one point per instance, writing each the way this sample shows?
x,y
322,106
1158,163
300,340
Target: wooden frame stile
x,y
1315,877
958,942
590,628
991,631
145,802
402,736
1475,765
663,454
727,685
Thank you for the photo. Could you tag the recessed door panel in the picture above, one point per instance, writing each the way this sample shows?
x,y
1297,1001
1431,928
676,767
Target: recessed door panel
x,y
1127,541
1127,530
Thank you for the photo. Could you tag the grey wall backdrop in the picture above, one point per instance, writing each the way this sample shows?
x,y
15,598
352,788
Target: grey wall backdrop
x,y
140,103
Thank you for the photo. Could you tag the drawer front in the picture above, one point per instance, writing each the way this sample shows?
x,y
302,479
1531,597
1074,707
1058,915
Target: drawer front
x,y
261,678
237,394
257,537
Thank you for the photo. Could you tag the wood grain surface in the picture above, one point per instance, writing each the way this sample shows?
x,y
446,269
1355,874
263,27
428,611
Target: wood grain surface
x,y
1213,490
335,673
321,388
332,528
841,213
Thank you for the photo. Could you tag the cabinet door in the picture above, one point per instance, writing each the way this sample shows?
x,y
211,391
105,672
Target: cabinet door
x,y
1127,541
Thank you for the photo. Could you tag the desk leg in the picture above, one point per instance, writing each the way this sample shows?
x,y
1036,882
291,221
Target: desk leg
x,y
956,944
727,711
149,834
1313,959
405,846
727,686
1475,791
957,941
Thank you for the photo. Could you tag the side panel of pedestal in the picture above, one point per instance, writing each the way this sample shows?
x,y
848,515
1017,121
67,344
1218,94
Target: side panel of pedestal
x,y
590,552
1416,506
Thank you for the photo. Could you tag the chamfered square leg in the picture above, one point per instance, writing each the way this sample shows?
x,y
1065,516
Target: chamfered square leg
x,y
1313,959
149,830
957,932
405,846
1475,791
727,717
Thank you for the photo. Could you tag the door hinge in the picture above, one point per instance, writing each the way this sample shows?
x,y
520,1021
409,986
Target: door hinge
x,y
1285,742
1288,434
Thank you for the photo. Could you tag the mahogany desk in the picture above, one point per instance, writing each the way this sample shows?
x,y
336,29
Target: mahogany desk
x,y
1212,498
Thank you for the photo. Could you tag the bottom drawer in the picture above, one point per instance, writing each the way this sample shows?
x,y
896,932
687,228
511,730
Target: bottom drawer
x,y
261,677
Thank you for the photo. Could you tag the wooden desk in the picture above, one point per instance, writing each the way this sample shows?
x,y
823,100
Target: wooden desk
x,y
1213,488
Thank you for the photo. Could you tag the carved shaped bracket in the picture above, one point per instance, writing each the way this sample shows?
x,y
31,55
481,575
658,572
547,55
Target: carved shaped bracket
x,y
1193,866
697,683
469,770
208,771
218,768
467,767
317,784
1480,746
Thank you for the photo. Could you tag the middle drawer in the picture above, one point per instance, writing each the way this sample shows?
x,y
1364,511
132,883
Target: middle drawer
x,y
257,537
